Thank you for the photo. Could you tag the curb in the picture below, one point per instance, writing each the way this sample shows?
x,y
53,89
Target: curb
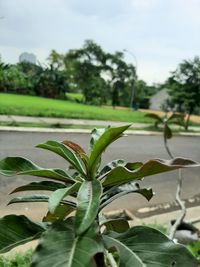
x,y
55,130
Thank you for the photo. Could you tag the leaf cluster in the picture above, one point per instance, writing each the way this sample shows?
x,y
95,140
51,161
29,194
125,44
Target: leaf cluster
x,y
74,231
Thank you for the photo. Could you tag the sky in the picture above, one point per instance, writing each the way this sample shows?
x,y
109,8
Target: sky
x,y
158,34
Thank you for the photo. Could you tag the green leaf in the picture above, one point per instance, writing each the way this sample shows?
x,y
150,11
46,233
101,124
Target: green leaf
x,y
167,131
116,225
38,198
122,175
119,191
88,201
154,248
59,246
128,258
176,117
154,116
95,135
11,166
111,165
64,152
157,118
61,212
58,195
44,185
109,136
17,230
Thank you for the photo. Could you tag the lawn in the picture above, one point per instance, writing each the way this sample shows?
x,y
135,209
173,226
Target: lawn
x,y
43,107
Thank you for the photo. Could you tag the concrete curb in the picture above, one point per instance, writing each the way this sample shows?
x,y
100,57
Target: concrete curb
x,y
56,130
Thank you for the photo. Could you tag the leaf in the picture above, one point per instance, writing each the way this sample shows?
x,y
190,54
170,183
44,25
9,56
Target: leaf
x,y
44,185
88,201
64,152
61,212
127,257
78,150
121,175
154,248
58,195
109,136
116,225
167,132
75,147
176,117
119,191
59,246
11,166
17,230
37,198
154,116
111,165
95,135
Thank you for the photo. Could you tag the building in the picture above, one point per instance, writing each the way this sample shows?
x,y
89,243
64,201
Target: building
x,y
158,99
27,57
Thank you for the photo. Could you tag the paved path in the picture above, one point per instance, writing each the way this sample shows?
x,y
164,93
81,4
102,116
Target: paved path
x,y
130,148
13,118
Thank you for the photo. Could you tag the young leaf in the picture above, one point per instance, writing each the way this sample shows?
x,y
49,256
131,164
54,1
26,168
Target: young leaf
x,y
109,136
58,195
44,185
119,191
122,175
64,152
95,135
128,258
11,166
78,150
153,248
17,230
88,201
59,246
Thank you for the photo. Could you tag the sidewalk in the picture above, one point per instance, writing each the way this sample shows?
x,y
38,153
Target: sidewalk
x,y
135,128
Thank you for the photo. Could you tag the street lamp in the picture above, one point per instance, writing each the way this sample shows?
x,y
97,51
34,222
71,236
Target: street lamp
x,y
133,91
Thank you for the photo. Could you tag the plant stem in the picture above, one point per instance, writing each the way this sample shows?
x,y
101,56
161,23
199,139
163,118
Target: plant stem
x,y
178,195
181,204
111,259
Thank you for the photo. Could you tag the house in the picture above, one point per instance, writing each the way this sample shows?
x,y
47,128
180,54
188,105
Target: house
x,y
158,99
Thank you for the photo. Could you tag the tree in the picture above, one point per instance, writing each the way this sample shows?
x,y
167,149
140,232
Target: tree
x,y
12,79
184,87
84,68
122,78
51,83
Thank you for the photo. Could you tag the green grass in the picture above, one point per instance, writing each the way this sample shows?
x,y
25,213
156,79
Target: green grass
x,y
11,104
16,260
75,97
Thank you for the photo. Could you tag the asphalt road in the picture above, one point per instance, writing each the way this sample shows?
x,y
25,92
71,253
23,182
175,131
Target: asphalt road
x,y
131,148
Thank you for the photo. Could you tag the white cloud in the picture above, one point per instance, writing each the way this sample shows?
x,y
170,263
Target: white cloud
x,y
159,33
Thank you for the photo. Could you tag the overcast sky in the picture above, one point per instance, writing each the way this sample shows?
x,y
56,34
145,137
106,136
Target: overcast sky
x,y
159,33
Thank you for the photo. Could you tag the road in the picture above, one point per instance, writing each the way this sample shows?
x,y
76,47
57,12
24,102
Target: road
x,y
131,148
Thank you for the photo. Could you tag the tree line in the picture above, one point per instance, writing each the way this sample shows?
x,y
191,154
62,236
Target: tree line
x,y
103,78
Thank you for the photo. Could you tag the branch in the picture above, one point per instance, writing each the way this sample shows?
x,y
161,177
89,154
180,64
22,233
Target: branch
x,y
181,204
